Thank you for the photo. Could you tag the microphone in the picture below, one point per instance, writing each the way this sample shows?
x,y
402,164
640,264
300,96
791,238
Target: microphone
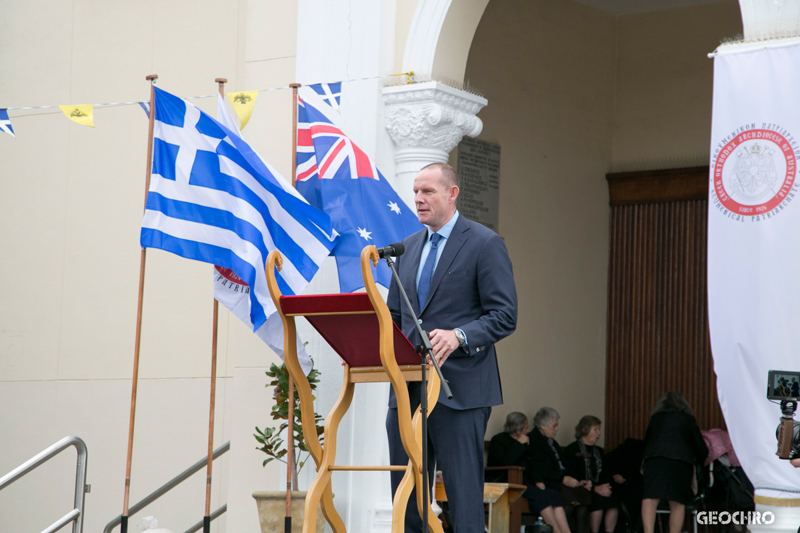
x,y
395,250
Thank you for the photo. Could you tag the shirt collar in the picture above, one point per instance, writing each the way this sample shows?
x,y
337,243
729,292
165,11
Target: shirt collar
x,y
447,229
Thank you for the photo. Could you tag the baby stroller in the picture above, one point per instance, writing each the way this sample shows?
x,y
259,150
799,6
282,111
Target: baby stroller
x,y
729,488
733,490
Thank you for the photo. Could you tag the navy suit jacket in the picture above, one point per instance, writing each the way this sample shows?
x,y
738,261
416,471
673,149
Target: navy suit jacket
x,y
473,289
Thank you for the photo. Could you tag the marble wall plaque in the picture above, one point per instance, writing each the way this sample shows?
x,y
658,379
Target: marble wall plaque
x,y
479,177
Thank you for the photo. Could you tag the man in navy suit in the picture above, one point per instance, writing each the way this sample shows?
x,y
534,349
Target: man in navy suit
x,y
459,279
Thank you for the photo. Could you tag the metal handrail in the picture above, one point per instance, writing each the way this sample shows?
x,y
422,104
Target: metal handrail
x,y
168,486
76,514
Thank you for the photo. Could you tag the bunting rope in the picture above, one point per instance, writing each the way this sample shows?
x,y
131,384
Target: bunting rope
x,y
409,75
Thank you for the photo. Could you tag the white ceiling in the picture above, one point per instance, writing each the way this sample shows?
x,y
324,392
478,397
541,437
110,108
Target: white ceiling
x,y
627,7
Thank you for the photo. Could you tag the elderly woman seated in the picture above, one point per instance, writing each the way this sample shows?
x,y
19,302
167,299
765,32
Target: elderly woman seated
x,y
512,448
585,462
548,470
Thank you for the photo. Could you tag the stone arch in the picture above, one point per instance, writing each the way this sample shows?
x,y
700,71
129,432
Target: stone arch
x,y
440,37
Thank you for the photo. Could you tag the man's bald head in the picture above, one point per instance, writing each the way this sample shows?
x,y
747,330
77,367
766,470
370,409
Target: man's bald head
x,y
446,172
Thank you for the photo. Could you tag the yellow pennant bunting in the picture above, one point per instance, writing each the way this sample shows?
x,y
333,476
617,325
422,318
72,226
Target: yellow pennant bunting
x,y
82,114
243,105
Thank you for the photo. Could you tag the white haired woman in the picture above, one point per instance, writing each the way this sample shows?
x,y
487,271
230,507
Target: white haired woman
x,y
548,471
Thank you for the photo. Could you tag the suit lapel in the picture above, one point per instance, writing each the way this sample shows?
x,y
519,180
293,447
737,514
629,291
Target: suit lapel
x,y
451,248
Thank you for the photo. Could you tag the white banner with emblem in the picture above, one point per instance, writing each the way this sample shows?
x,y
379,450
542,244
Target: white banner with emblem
x,y
754,250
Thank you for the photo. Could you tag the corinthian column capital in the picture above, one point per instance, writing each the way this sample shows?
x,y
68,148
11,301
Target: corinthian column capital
x,y
426,121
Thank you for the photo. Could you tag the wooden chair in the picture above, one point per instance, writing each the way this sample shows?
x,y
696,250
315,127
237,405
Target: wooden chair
x,y
513,475
360,329
497,499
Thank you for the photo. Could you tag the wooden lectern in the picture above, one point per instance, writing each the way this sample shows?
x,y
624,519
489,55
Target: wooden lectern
x,y
360,329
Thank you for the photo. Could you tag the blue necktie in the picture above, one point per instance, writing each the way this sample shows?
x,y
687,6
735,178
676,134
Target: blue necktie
x,y
427,271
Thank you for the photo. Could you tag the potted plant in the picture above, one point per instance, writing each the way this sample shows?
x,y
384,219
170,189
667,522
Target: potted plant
x,y
272,505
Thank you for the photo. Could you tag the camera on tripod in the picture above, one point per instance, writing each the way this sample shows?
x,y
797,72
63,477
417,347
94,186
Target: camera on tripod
x,y
784,386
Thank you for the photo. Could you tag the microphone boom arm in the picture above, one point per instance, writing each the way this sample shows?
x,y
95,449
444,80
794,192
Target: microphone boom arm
x,y
427,349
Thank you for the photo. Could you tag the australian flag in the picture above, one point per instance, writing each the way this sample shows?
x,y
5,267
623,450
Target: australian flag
x,y
336,176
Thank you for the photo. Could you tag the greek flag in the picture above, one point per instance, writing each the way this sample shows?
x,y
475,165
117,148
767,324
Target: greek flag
x,y
331,93
213,199
234,294
5,123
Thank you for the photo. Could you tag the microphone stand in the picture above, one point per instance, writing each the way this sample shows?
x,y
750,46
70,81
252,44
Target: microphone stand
x,y
424,349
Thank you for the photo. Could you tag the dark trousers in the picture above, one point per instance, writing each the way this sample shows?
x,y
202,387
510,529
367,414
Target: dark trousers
x,y
455,443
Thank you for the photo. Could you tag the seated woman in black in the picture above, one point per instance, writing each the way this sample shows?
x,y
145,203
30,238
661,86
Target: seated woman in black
x,y
548,470
586,463
510,448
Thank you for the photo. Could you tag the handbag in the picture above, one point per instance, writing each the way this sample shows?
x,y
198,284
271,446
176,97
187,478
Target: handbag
x,y
576,495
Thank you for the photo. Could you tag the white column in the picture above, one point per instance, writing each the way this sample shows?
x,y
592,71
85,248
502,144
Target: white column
x,y
770,19
426,121
348,40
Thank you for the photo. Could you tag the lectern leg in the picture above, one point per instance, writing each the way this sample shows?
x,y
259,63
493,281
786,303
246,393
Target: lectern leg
x,y
329,511
400,503
320,490
320,485
320,494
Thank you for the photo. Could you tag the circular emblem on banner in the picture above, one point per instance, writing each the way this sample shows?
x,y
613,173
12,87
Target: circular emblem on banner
x,y
228,274
754,172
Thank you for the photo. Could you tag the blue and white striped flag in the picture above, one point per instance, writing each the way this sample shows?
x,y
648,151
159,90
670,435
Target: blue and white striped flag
x,y
233,292
331,93
5,123
213,199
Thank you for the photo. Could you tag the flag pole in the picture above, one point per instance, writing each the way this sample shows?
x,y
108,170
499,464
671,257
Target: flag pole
x,y
214,330
134,386
294,87
290,411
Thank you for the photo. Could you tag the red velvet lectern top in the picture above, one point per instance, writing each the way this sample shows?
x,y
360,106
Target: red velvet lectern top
x,y
353,331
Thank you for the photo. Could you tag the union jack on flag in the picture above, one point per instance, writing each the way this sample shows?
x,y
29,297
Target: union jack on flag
x,y
336,176
341,158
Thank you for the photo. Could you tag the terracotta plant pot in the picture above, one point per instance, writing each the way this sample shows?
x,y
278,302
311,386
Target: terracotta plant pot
x,y
272,512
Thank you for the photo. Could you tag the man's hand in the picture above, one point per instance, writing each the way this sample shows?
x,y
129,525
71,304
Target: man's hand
x,y
540,485
619,479
603,490
444,342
